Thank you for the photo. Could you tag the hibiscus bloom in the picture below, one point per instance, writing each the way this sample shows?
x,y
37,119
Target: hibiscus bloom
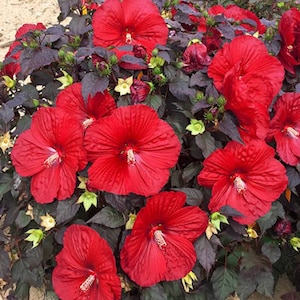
x,y
132,151
160,245
285,127
86,112
129,22
86,267
54,145
289,30
249,78
245,177
13,66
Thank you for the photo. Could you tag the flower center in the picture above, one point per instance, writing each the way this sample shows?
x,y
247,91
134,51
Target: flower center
x,y
85,286
159,239
87,122
53,159
130,157
292,132
290,48
128,39
240,185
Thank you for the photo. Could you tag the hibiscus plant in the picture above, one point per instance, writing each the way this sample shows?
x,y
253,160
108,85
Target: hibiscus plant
x,y
151,150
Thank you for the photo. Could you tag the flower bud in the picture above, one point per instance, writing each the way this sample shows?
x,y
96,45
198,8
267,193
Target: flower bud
x,y
139,51
154,52
139,90
113,59
195,58
283,227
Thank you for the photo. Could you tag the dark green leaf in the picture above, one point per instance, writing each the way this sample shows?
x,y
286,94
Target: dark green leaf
x,y
193,196
205,253
190,171
111,235
66,210
265,283
199,79
4,265
293,176
268,220
173,289
108,216
206,143
246,285
92,84
155,292
21,292
117,201
22,219
5,183
154,101
271,251
23,124
224,282
6,113
80,24
33,59
227,126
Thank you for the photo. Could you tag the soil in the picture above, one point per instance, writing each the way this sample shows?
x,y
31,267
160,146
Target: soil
x,y
15,13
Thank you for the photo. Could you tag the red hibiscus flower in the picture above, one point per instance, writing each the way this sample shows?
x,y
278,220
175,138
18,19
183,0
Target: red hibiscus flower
x,y
132,151
13,67
289,30
129,22
54,146
86,268
195,58
86,112
249,78
285,127
160,245
245,177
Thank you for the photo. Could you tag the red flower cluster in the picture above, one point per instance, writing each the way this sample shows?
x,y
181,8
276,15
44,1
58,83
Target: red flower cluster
x,y
249,78
124,23
246,177
54,145
289,30
285,128
160,245
86,267
132,151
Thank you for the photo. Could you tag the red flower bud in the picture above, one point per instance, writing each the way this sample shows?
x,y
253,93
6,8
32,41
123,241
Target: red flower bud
x,y
283,227
139,51
139,90
195,58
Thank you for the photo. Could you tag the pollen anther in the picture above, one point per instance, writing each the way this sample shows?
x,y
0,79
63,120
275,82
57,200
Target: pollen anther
x,y
159,239
128,38
52,159
292,132
130,157
240,185
85,286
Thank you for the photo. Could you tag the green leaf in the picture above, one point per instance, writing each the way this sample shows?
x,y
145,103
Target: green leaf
x,y
205,253
173,289
193,196
154,101
66,210
22,219
271,251
5,184
206,143
268,220
109,217
155,292
190,171
265,283
4,265
224,282
246,285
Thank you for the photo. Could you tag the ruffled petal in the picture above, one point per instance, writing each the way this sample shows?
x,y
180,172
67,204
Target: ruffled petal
x,y
143,260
